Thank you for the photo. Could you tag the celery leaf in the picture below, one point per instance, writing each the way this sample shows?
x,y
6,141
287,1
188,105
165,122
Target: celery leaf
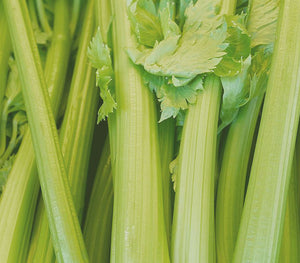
x,y
100,58
145,22
262,21
235,94
206,42
238,48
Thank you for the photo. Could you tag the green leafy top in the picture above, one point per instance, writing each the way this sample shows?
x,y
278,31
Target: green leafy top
x,y
262,21
99,55
178,55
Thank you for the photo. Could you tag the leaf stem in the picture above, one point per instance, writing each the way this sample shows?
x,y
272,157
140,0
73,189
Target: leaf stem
x,y
260,233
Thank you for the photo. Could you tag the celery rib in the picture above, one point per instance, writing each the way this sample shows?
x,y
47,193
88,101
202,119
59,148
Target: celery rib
x,y
193,227
66,234
16,207
97,228
5,50
193,233
261,226
289,251
232,179
75,139
139,233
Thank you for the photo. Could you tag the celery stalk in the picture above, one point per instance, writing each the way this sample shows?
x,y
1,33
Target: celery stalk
x,y
193,226
139,233
289,251
20,195
5,50
97,227
75,139
232,179
261,226
193,234
66,234
231,187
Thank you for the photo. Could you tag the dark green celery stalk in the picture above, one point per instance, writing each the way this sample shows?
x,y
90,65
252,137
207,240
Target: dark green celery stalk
x,y
138,233
97,229
98,223
193,224
193,234
42,16
75,15
75,139
18,202
232,179
166,137
290,244
5,50
260,233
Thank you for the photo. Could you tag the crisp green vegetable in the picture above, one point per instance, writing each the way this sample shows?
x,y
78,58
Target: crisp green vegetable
x,y
261,227
66,234
21,191
134,149
195,210
252,84
75,139
182,86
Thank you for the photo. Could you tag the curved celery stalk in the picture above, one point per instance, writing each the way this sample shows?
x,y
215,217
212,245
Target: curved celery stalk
x,y
193,224
66,234
232,179
261,226
138,233
75,139
166,137
5,50
290,244
97,228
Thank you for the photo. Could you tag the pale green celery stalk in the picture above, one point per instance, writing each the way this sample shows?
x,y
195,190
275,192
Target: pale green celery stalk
x,y
65,228
5,50
75,139
260,233
232,179
138,233
98,223
193,234
166,137
193,224
290,244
